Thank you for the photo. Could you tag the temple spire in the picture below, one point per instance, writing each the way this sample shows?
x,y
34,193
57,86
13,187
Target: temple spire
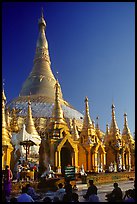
x,y
107,130
42,15
5,132
97,124
41,80
57,113
126,129
30,127
87,120
113,128
4,124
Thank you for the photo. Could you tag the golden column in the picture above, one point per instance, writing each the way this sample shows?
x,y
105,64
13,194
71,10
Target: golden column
x,y
59,161
96,162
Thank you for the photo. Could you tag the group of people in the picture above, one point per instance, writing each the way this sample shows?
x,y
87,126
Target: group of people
x,y
65,193
28,194
21,168
115,196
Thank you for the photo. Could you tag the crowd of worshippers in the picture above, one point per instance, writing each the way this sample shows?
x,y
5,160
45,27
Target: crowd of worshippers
x,y
21,168
68,193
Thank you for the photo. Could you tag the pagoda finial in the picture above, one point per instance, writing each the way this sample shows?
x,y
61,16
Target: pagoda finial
x,y
87,119
57,111
57,75
126,129
107,129
114,128
106,138
3,83
97,125
3,109
42,13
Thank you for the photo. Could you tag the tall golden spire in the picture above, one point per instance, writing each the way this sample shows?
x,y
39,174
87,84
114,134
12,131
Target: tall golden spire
x,y
3,110
107,129
98,129
87,120
57,113
113,128
41,79
126,129
106,137
5,132
7,147
30,127
97,124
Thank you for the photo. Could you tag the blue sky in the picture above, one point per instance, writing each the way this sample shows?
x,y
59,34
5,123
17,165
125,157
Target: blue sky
x,y
91,45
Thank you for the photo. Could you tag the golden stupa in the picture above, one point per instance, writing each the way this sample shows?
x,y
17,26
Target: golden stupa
x,y
40,85
67,136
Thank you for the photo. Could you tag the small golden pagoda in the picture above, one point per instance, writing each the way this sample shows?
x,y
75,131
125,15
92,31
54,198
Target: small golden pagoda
x,y
6,137
91,148
119,147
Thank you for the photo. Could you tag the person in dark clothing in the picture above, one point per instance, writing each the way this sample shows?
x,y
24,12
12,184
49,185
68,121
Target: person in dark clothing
x,y
116,195
75,197
91,190
68,187
68,190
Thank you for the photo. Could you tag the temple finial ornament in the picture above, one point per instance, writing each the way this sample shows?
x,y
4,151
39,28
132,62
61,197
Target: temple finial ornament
x,y
107,129
3,83
4,124
57,75
114,128
87,119
57,111
97,125
42,12
126,129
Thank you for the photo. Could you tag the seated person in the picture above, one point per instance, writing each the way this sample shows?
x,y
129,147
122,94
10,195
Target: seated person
x,y
60,192
91,190
24,197
31,192
116,195
129,196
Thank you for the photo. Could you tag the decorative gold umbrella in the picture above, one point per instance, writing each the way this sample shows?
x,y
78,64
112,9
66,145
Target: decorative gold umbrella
x,y
26,144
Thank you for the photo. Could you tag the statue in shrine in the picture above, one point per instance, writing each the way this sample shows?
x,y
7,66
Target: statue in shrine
x,y
82,171
111,168
49,173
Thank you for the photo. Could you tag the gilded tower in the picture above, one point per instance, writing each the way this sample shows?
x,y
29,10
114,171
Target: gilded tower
x,y
7,147
128,153
40,87
91,149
